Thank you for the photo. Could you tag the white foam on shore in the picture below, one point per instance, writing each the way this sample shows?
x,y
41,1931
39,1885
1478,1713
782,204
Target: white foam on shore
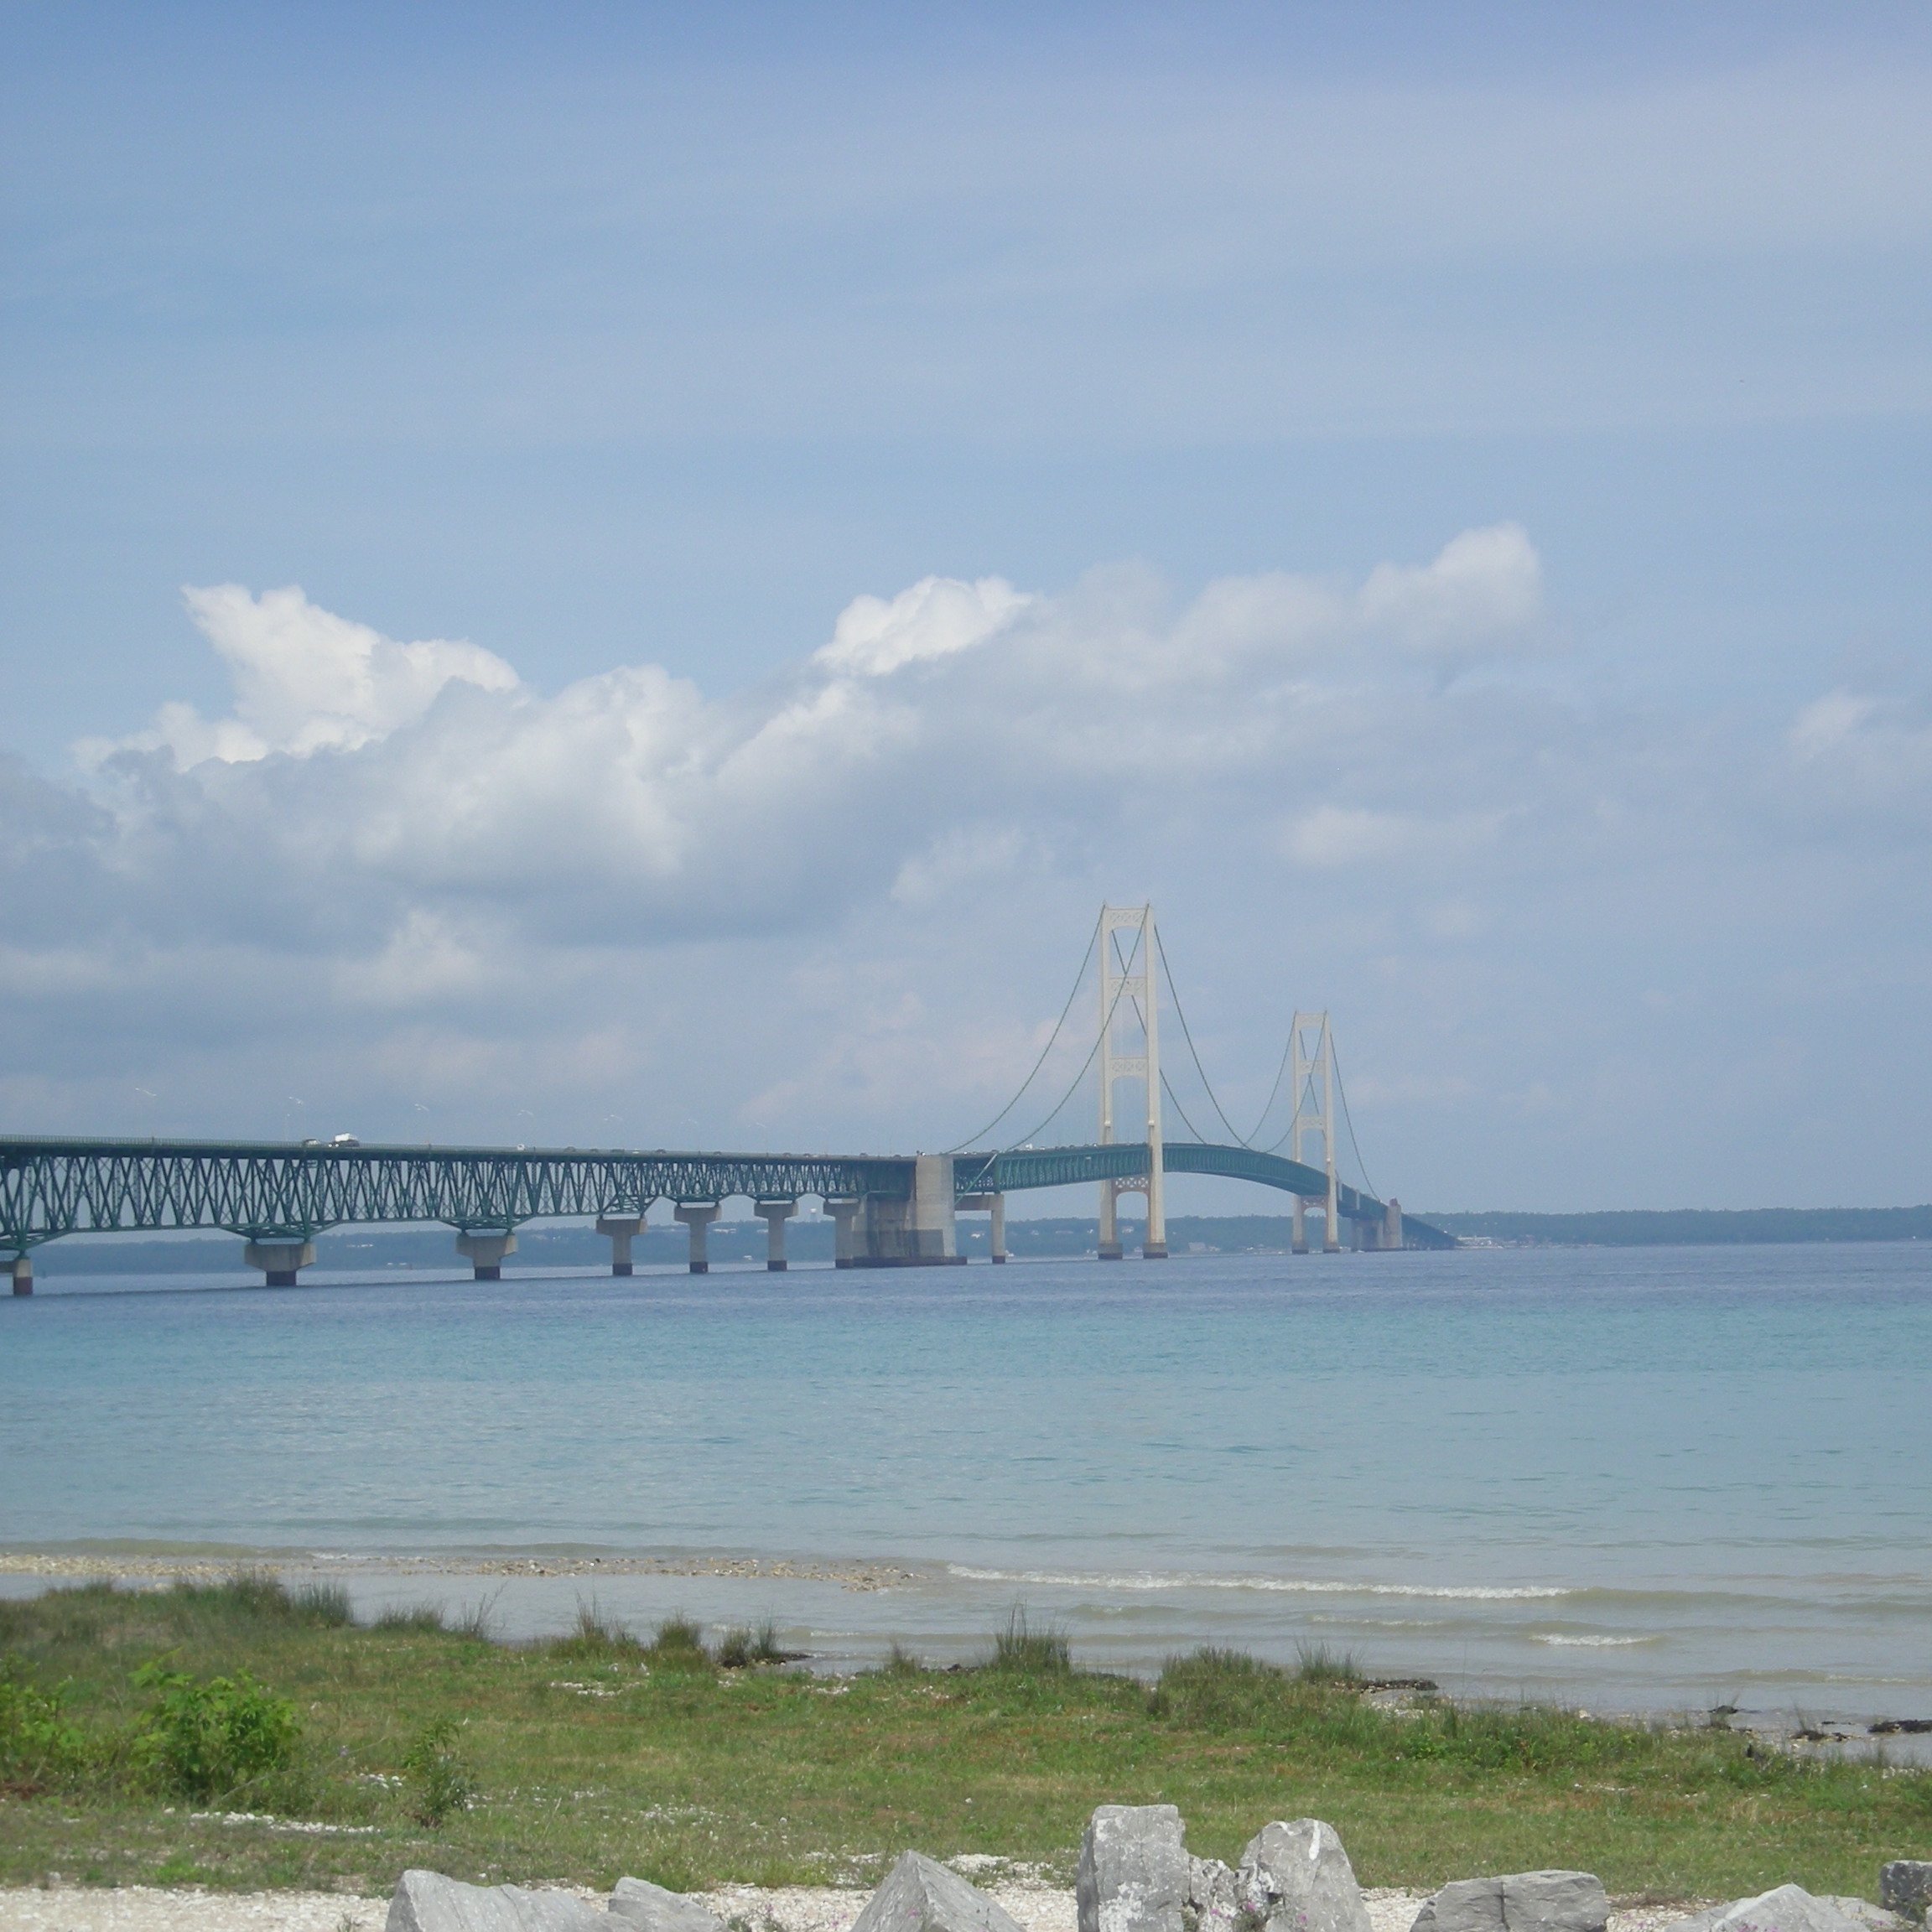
x,y
1593,1642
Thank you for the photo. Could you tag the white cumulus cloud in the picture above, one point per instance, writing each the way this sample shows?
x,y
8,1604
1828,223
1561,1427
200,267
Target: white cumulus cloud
x,y
305,680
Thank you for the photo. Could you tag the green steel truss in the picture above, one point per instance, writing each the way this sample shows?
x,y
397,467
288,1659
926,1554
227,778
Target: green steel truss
x,y
271,1191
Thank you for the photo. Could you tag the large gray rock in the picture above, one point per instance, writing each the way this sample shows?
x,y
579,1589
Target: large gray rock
x,y
427,1902
1295,1877
1133,1870
657,1910
1210,1904
1789,1908
921,1895
1905,1887
1520,1902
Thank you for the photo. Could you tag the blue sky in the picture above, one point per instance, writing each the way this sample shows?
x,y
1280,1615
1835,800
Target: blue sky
x,y
630,349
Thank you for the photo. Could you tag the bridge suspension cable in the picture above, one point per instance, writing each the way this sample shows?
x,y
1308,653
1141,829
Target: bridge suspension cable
x,y
1080,980
1188,1034
1074,1085
1341,1093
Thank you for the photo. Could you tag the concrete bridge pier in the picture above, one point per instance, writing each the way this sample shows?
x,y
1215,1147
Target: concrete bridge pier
x,y
623,1229
1392,1225
277,1260
22,1270
917,1231
844,1215
995,1205
775,1214
484,1249
1299,1245
697,1216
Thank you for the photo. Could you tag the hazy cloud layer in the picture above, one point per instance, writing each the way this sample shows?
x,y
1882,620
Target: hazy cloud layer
x,y
398,888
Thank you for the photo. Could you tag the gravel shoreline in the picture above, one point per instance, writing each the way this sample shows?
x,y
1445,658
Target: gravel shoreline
x,y
789,1908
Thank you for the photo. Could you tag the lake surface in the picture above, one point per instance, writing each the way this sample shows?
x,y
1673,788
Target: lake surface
x,y
1638,1479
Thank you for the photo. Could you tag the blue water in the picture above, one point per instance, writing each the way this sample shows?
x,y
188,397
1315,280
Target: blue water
x,y
1646,1479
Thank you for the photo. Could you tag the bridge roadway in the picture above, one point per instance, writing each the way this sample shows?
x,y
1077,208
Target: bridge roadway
x,y
890,1210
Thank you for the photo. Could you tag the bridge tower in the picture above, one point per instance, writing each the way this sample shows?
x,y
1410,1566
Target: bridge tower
x,y
1127,1001
1314,1113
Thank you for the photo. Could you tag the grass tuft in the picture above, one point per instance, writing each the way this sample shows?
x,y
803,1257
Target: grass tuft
x,y
425,1620
597,1637
744,1645
1025,1651
900,1662
678,1644
324,1603
478,1623
1316,1663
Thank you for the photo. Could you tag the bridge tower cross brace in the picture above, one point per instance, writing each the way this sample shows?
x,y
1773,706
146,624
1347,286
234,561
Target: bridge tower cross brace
x,y
1314,1114
1128,999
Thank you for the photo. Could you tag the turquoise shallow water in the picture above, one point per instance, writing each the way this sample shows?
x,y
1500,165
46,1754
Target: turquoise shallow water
x,y
1644,1479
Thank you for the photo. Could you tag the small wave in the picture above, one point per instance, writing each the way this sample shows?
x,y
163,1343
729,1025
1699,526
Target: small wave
x,y
1288,1586
1592,1643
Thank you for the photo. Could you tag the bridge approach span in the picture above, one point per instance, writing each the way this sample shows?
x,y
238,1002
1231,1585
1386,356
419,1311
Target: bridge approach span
x,y
891,1210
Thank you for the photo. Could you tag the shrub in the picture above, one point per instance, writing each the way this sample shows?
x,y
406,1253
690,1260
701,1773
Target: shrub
x,y
38,1745
204,1738
439,1782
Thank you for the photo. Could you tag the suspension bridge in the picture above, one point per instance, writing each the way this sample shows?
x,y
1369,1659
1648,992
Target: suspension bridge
x,y
888,1211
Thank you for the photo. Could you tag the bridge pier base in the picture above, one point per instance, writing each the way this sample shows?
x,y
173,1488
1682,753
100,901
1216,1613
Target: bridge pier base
x,y
844,1215
775,1214
22,1270
697,1216
485,1251
1392,1225
995,1205
622,1229
1299,1245
278,1260
917,1231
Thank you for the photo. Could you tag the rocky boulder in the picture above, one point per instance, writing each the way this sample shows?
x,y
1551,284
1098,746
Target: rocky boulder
x,y
1133,1870
921,1895
642,1904
1905,1887
1789,1908
1521,1902
427,1902
1210,1904
1295,1877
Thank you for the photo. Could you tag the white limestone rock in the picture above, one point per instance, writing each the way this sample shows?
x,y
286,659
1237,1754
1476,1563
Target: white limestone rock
x,y
1294,1877
1518,1902
427,1902
1210,1904
1788,1909
920,1894
1133,1870
640,1903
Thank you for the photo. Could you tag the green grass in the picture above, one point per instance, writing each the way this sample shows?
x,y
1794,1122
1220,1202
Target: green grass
x,y
605,1752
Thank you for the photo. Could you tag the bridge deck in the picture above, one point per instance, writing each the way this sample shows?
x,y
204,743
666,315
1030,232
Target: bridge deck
x,y
273,1191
